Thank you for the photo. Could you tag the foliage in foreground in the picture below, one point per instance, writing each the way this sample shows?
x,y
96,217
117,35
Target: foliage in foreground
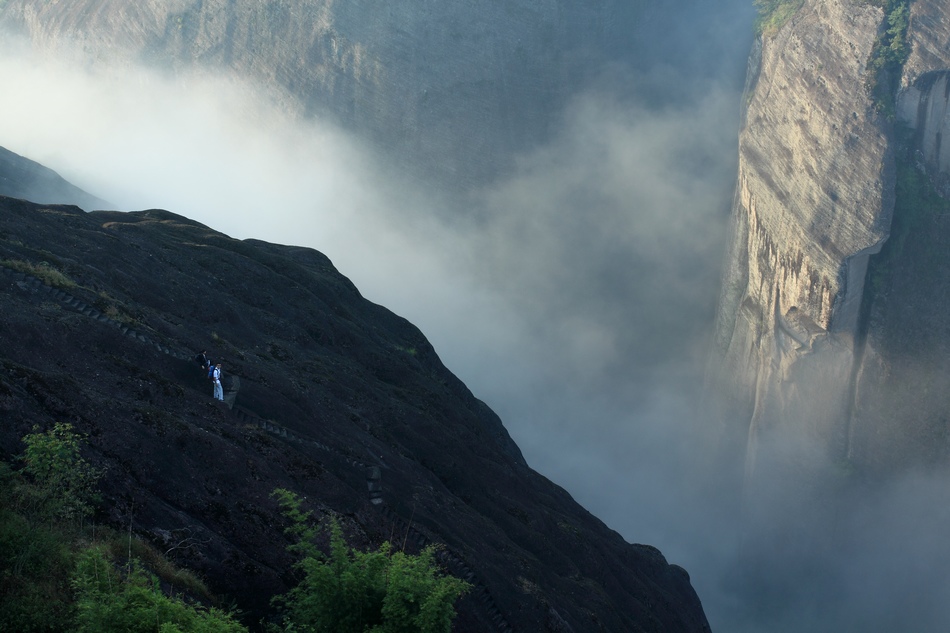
x,y
60,485
110,601
54,576
363,592
58,573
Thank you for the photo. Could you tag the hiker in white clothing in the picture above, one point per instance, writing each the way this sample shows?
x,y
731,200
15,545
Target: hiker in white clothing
x,y
216,377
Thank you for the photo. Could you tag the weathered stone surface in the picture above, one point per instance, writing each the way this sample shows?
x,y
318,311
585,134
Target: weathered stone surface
x,y
819,380
810,207
455,85
925,91
929,37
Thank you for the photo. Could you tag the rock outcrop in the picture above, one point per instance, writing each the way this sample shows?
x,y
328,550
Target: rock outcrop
x,y
812,204
328,395
902,388
24,178
925,94
826,374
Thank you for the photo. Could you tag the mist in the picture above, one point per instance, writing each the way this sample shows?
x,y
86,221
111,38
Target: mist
x,y
575,295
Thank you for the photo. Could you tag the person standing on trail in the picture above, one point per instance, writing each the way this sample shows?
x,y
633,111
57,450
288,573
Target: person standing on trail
x,y
216,378
202,359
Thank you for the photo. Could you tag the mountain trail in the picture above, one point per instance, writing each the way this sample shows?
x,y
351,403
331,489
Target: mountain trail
x,y
449,560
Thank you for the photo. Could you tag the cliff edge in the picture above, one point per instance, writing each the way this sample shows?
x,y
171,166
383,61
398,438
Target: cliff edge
x,y
327,394
831,337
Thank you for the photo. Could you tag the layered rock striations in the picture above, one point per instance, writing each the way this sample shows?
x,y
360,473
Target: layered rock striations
x,y
928,36
827,373
812,203
455,87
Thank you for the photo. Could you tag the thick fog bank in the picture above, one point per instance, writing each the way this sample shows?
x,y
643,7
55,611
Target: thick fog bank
x,y
573,296
850,555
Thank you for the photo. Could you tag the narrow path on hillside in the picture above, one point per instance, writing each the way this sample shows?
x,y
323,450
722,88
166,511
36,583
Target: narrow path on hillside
x,y
450,561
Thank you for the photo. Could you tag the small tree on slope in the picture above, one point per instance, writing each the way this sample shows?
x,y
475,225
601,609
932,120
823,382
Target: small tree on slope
x,y
364,592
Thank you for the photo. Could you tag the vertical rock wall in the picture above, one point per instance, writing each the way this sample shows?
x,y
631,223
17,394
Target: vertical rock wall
x,y
901,417
810,207
924,106
825,376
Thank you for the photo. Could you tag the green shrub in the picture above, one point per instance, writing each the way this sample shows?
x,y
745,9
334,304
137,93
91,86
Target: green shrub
x,y
35,564
52,581
36,560
774,14
364,592
63,484
890,52
110,602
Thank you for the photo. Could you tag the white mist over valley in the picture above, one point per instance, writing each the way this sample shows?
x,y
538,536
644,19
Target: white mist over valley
x,y
573,296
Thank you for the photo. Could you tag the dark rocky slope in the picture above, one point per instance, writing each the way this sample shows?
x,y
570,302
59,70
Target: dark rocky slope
x,y
329,395
24,178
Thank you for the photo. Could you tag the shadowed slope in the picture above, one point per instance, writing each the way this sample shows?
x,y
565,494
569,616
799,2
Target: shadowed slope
x,y
23,178
339,400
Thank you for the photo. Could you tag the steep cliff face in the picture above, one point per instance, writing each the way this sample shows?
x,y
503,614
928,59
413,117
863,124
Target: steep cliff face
x,y
902,391
928,35
455,86
829,375
925,94
811,206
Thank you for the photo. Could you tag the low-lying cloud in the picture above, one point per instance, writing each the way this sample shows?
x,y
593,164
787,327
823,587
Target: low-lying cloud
x,y
573,296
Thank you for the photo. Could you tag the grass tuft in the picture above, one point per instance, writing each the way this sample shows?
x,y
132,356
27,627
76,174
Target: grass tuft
x,y
42,271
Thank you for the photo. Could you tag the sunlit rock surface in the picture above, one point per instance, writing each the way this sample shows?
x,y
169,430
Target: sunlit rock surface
x,y
825,376
811,206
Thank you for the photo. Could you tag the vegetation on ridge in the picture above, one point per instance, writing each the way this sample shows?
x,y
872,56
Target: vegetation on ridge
x,y
349,591
58,573
888,56
890,52
774,14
